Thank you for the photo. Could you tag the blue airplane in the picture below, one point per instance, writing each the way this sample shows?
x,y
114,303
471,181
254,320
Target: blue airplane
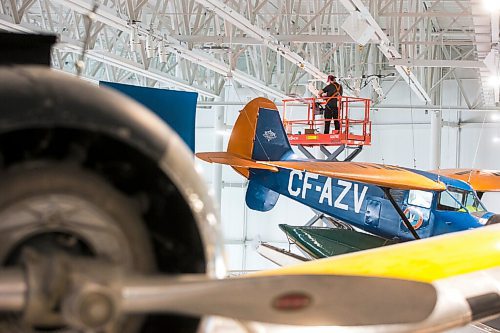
x,y
389,203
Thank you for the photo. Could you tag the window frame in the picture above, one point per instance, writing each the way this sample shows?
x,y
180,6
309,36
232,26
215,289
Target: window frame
x,y
429,206
465,194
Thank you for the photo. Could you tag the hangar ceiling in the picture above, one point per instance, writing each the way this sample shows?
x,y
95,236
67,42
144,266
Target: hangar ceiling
x,y
272,46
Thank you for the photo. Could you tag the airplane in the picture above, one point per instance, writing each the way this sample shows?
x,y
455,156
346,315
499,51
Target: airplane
x,y
53,284
389,203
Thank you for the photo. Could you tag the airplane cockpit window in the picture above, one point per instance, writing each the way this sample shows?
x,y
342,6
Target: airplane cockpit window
x,y
420,198
398,195
473,204
454,199
450,200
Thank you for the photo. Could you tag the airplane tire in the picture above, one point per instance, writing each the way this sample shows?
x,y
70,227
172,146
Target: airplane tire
x,y
60,134
48,207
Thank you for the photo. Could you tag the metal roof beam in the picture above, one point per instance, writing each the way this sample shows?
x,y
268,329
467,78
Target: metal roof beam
x,y
7,24
484,38
385,47
108,58
299,38
457,39
241,22
437,63
424,14
108,17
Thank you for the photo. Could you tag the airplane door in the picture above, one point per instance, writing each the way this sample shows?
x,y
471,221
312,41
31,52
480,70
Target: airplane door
x,y
417,210
372,214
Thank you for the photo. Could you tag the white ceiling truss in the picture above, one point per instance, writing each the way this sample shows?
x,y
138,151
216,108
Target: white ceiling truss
x,y
486,36
270,46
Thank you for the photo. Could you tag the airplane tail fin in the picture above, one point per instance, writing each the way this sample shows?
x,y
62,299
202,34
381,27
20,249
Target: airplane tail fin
x,y
257,136
258,133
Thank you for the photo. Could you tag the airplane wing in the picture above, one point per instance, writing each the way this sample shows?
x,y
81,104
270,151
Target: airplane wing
x,y
461,269
369,173
425,286
426,260
480,180
234,160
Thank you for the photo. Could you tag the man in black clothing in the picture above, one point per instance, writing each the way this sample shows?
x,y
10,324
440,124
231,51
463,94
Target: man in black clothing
x,y
333,89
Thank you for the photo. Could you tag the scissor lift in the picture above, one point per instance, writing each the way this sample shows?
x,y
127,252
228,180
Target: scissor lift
x,y
354,133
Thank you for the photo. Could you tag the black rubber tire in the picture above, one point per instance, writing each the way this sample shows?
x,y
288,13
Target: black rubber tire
x,y
45,178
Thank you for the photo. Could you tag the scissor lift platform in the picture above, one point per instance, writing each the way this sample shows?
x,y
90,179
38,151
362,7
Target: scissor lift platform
x,y
355,130
304,122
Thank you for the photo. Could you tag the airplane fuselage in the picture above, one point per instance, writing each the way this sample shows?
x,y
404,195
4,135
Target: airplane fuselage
x,y
363,195
366,206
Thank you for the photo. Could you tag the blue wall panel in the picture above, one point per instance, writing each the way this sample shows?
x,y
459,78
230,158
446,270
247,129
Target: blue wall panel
x,y
176,108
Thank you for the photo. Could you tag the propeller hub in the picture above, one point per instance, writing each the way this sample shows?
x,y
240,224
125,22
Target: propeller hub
x,y
91,309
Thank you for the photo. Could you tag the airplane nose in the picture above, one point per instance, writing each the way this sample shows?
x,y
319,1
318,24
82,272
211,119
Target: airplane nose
x,y
494,219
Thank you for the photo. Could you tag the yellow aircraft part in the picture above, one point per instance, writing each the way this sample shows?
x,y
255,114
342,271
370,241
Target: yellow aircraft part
x,y
424,260
480,180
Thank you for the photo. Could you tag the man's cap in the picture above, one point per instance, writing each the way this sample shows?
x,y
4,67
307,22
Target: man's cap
x,y
331,77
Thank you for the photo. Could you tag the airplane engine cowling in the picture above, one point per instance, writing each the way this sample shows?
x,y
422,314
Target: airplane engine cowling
x,y
89,172
494,219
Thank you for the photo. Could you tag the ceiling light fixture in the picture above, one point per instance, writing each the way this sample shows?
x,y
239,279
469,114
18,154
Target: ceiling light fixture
x,y
491,5
494,81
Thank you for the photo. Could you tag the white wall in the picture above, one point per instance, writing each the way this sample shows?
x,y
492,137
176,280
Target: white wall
x,y
399,137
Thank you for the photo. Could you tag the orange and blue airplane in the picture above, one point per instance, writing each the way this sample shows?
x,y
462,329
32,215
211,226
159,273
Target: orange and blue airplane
x,y
391,203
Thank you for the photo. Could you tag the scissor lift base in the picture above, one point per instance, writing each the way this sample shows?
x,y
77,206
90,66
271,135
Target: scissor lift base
x,y
333,156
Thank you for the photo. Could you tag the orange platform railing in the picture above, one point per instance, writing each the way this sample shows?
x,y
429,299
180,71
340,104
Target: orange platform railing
x,y
304,123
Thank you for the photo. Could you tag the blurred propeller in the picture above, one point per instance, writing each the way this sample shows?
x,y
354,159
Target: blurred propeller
x,y
93,294
317,300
